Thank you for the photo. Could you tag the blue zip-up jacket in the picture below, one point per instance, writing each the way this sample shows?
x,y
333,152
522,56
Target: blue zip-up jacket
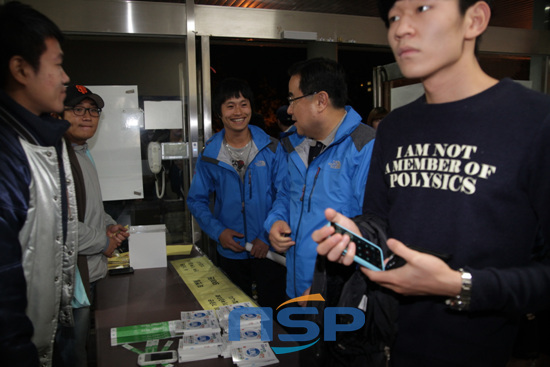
x,y
240,206
336,179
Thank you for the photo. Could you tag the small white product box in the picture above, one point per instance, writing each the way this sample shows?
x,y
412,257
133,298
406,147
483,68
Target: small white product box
x,y
147,245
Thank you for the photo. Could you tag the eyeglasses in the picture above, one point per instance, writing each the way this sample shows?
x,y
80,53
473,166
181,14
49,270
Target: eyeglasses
x,y
292,100
81,111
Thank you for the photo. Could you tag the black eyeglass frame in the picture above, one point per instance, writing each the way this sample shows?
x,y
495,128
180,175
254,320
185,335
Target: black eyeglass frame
x,y
292,100
84,110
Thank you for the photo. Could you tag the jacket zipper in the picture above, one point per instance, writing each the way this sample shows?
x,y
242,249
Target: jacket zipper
x,y
243,195
313,188
250,185
300,220
243,210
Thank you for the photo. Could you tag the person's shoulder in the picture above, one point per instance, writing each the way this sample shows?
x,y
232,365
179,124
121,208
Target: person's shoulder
x,y
352,120
362,135
518,99
215,139
13,161
518,90
212,146
257,132
263,139
10,145
273,144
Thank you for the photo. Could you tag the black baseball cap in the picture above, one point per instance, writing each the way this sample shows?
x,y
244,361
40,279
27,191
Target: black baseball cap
x,y
76,93
283,116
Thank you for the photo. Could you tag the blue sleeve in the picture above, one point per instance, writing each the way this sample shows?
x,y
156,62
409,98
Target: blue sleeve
x,y
198,201
359,180
281,205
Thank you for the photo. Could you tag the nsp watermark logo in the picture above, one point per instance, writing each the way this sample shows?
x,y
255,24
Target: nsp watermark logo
x,y
283,317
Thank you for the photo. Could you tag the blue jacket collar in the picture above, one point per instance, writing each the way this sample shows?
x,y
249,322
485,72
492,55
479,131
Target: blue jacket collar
x,y
213,145
350,123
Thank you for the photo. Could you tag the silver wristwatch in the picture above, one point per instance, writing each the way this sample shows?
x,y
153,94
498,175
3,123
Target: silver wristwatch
x,y
462,301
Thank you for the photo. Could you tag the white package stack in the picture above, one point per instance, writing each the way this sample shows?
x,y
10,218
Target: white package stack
x,y
253,355
203,326
198,315
199,346
250,320
223,312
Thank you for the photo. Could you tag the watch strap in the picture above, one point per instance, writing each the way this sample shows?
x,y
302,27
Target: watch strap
x,y
462,301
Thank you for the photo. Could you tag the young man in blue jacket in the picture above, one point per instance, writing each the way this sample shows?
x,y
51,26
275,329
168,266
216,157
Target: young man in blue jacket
x,y
328,161
238,166
452,174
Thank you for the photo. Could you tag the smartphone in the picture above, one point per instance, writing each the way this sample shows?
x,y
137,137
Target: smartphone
x,y
367,254
153,358
120,271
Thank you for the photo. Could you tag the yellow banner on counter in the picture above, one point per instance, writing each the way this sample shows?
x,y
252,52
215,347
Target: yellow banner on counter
x,y
178,250
209,284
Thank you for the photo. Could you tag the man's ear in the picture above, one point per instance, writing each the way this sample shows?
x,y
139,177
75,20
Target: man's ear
x,y
477,17
323,99
19,69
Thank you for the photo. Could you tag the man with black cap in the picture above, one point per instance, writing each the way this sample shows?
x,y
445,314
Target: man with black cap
x,y
284,121
98,234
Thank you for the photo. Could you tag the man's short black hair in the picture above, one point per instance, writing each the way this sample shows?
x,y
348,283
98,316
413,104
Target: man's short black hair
x,y
384,7
322,74
231,88
23,32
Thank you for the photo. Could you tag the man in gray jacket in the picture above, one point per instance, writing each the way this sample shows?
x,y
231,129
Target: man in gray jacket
x,y
98,234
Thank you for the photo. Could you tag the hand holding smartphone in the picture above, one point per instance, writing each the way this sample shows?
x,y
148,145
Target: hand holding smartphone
x,y
367,254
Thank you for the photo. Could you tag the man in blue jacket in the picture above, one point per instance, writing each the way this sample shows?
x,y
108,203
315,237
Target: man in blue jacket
x,y
238,166
328,161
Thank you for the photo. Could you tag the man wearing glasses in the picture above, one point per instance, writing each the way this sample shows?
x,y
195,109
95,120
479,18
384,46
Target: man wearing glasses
x,y
98,234
328,162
